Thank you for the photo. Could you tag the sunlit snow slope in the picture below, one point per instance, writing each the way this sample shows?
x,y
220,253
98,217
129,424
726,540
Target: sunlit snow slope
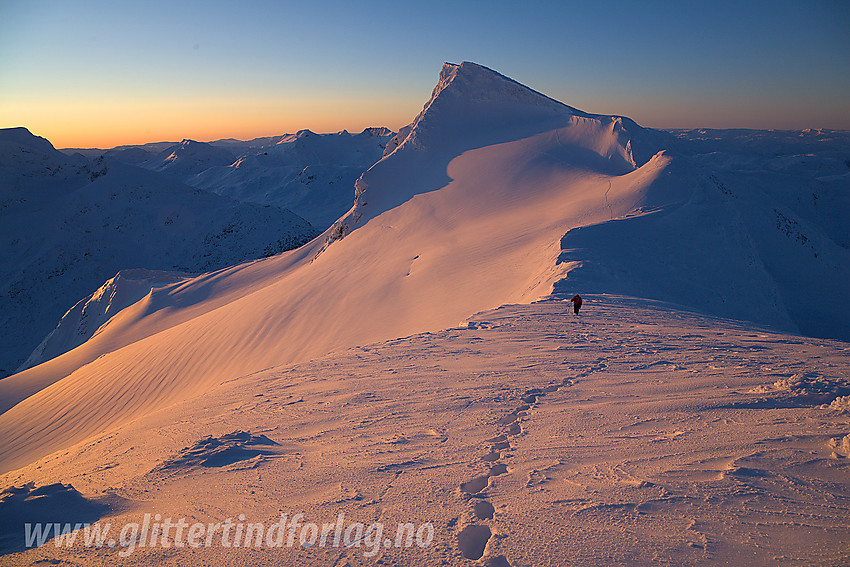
x,y
493,197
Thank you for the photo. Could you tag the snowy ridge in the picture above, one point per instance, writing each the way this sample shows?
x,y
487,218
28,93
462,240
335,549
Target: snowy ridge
x,y
311,174
400,366
30,166
22,138
83,320
70,223
748,243
472,107
494,197
190,157
514,176
484,102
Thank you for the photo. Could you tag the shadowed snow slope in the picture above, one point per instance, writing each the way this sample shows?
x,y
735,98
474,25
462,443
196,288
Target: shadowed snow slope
x,y
468,212
69,224
87,315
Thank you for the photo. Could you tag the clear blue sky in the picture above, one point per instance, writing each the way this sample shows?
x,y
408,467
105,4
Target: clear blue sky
x,y
107,72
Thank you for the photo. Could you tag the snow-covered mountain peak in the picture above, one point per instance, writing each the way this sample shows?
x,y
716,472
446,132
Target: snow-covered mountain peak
x,y
22,137
476,82
475,99
473,107
31,166
497,196
189,157
191,146
379,131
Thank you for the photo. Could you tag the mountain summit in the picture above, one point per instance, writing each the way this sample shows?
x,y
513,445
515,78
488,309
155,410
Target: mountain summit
x,y
480,102
22,137
472,107
400,367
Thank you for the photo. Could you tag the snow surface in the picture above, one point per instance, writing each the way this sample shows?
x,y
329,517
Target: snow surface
x,y
190,157
634,434
649,429
83,320
69,224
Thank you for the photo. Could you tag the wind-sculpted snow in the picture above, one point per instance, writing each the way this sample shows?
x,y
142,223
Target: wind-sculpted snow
x,y
764,251
83,320
226,450
56,503
635,433
473,107
515,171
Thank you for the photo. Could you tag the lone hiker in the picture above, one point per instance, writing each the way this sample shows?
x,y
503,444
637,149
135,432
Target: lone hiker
x,y
576,301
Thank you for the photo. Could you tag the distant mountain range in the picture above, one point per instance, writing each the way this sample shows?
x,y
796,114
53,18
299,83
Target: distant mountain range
x,y
310,174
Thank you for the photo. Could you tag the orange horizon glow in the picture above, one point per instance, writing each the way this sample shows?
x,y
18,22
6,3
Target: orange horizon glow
x,y
104,73
110,121
105,124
